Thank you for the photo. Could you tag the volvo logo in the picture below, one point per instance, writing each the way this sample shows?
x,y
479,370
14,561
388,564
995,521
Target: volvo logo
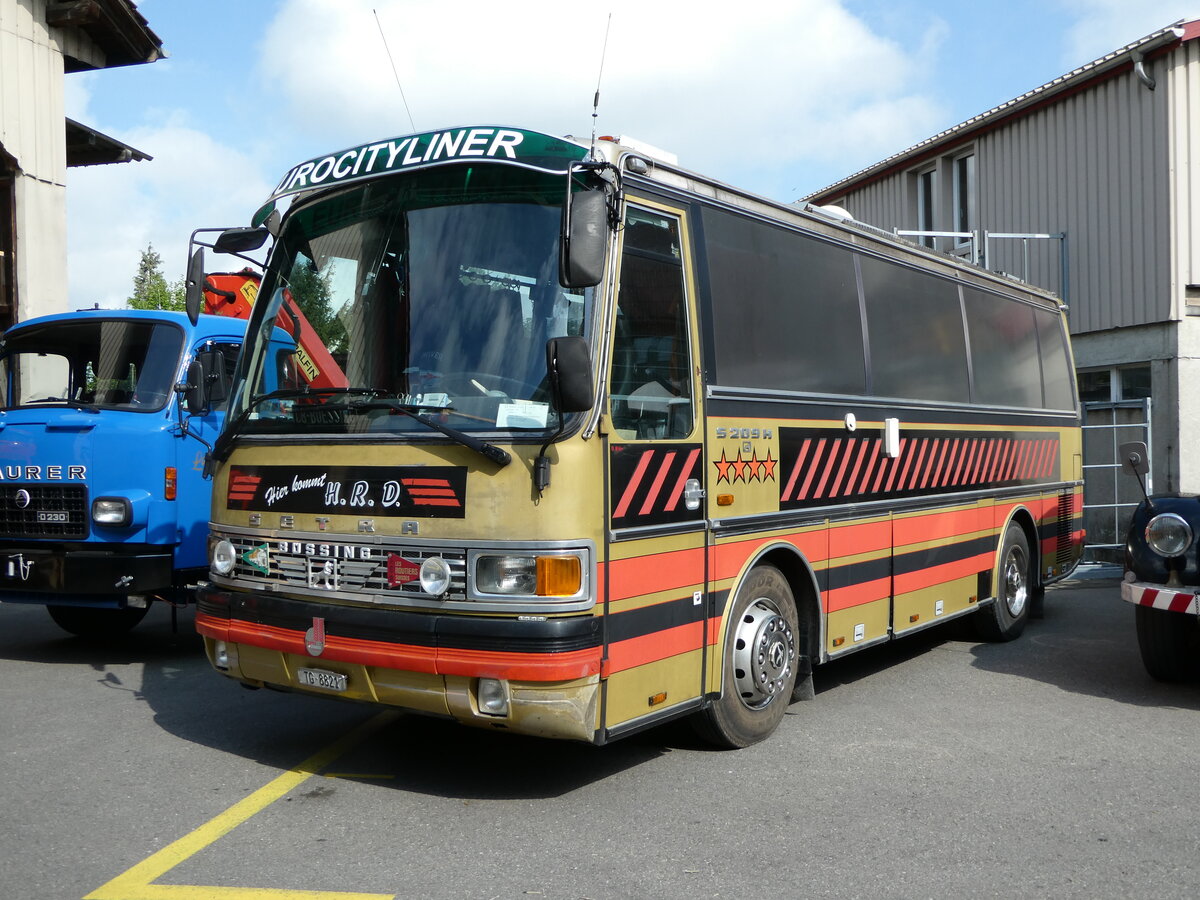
x,y
23,498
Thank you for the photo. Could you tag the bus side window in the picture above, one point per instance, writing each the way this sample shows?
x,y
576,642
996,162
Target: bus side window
x,y
651,386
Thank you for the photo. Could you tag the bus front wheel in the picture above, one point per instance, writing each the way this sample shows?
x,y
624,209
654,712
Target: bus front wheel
x,y
1005,618
759,665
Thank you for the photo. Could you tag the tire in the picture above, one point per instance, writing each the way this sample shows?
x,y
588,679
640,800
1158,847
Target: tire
x,y
1005,619
92,622
1170,643
759,665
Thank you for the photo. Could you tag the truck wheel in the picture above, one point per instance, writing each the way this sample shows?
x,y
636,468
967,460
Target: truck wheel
x,y
1005,619
1170,643
87,621
760,663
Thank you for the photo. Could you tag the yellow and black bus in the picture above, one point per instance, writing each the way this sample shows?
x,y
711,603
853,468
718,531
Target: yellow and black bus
x,y
608,443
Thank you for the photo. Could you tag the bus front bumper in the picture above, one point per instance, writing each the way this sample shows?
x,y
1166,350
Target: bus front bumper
x,y
531,677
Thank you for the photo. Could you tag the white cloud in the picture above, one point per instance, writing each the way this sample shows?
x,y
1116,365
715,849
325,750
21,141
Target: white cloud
x,y
1106,25
759,89
115,211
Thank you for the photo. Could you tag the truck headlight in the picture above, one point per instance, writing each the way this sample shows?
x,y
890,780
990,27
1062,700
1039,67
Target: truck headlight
x,y
223,557
1169,534
112,511
531,576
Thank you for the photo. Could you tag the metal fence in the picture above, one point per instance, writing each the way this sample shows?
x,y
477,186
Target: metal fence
x,y
1110,495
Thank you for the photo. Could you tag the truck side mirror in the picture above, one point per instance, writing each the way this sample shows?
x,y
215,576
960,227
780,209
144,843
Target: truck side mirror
x,y
193,389
1133,458
206,384
569,367
584,239
194,289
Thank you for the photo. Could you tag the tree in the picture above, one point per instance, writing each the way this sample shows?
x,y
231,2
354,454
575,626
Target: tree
x,y
150,287
313,293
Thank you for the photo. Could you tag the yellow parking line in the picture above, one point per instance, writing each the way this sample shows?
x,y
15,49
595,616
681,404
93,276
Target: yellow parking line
x,y
137,883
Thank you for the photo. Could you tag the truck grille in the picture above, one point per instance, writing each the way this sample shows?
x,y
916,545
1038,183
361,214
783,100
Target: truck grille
x,y
43,511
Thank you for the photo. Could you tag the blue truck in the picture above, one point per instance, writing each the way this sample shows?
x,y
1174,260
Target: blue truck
x,y
105,422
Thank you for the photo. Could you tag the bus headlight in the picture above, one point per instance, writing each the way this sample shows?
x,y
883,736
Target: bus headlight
x,y
1169,535
223,557
435,576
540,576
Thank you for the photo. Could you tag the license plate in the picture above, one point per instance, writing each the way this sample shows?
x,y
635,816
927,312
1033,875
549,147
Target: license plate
x,y
49,516
319,678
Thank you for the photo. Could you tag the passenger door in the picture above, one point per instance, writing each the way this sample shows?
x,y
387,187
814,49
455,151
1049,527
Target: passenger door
x,y
656,624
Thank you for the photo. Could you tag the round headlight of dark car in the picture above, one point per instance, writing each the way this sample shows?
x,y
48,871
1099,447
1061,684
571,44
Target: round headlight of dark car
x,y
1169,534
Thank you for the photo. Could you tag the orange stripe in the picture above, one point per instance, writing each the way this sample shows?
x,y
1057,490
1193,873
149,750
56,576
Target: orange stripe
x,y
653,647
848,540
656,572
939,526
409,658
857,594
935,575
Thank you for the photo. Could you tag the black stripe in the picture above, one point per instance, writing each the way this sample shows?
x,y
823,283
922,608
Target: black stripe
x,y
646,620
394,626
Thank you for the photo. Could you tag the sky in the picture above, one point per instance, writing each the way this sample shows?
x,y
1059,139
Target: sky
x,y
782,98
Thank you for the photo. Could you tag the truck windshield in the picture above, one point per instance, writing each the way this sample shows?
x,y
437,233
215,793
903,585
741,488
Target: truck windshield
x,y
434,291
93,363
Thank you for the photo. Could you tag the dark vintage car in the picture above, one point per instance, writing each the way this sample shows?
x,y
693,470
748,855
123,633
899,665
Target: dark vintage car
x,y
1162,577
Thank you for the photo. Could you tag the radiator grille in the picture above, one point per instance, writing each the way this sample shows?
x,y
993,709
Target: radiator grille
x,y
275,560
43,511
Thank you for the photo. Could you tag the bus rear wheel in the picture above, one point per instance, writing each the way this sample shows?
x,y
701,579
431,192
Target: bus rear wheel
x,y
1005,619
93,622
760,663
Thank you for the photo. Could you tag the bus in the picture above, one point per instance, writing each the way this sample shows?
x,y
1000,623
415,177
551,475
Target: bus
x,y
613,444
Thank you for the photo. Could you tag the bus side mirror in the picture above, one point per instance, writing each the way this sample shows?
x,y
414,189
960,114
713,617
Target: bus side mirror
x,y
584,239
569,366
1133,458
240,240
194,290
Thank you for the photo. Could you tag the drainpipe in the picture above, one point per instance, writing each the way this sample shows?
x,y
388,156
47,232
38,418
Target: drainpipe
x,y
1139,69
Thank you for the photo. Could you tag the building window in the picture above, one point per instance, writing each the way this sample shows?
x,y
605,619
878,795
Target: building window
x,y
926,203
1114,384
964,195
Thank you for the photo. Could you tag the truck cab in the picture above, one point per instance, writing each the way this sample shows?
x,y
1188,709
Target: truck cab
x,y
105,420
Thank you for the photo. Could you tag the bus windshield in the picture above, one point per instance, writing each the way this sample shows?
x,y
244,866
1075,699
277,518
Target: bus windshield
x,y
431,292
95,363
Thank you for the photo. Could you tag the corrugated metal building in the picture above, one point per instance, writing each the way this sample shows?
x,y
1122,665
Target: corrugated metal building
x,y
1089,186
40,42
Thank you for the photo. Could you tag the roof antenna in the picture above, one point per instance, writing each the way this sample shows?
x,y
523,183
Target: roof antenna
x,y
599,75
387,49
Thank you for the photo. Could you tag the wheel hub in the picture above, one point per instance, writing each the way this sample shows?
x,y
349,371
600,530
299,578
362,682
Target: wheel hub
x,y
1016,590
764,654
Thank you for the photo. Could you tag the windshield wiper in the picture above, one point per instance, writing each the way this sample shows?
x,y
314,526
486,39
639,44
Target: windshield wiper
x,y
496,454
224,442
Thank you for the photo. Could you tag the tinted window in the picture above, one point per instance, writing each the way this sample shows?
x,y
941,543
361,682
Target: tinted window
x,y
785,309
651,371
1057,376
1004,350
915,328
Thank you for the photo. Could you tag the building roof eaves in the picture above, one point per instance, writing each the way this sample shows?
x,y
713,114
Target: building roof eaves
x,y
1182,30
